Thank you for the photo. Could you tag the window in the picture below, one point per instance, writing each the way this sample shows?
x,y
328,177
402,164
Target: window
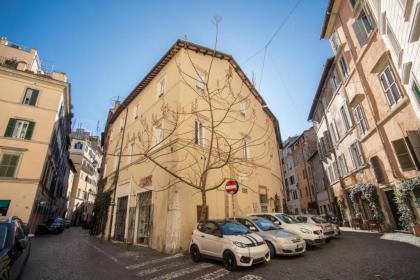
x,y
404,158
393,40
413,141
200,81
157,134
130,152
335,137
78,146
415,26
335,80
30,96
292,180
331,174
335,41
263,194
335,167
199,136
136,111
360,119
353,3
356,155
342,165
377,169
161,87
362,27
78,193
19,129
4,207
416,89
242,108
245,154
8,165
389,86
343,67
345,117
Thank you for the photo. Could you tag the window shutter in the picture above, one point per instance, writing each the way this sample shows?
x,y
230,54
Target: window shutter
x,y
34,97
10,127
414,145
30,131
376,165
402,154
360,32
196,133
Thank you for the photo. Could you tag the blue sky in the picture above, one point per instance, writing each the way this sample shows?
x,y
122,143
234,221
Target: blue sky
x,y
106,47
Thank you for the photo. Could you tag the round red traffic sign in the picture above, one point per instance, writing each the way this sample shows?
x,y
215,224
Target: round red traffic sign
x,y
232,186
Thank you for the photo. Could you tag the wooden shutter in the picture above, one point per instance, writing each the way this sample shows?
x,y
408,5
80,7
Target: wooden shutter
x,y
30,131
10,127
360,32
414,145
196,133
377,169
34,97
402,154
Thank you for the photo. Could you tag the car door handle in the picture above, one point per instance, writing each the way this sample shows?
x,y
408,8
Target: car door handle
x,y
203,236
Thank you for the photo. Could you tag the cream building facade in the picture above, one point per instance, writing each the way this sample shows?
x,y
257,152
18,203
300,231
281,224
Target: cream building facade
x,y
365,120
147,209
34,126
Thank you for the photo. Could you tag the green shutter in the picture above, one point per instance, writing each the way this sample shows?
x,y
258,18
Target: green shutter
x,y
30,130
10,127
34,97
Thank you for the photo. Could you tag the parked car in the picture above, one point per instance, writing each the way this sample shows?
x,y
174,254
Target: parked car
x,y
15,247
320,222
312,234
279,241
67,223
228,241
55,225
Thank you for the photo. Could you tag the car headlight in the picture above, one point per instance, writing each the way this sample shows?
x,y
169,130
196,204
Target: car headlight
x,y
304,230
239,244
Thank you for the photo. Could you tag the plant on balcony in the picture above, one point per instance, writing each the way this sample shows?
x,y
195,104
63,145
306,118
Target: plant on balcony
x,y
369,192
402,198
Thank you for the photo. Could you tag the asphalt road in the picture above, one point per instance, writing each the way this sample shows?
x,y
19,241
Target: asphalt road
x,y
75,255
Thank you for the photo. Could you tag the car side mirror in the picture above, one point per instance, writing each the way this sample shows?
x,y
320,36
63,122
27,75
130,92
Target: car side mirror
x,y
277,223
31,235
252,228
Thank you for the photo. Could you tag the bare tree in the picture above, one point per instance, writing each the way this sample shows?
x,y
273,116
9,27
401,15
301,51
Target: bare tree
x,y
192,143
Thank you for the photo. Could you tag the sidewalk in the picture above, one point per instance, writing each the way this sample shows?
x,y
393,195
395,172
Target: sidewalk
x,y
394,236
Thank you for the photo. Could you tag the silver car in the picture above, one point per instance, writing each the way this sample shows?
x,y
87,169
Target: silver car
x,y
326,227
279,241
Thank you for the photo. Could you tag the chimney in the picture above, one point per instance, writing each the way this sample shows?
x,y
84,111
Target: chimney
x,y
4,41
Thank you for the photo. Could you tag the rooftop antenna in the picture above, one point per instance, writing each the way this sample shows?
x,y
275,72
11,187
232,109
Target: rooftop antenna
x,y
97,128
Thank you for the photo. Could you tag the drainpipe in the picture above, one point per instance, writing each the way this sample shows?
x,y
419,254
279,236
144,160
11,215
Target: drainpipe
x,y
115,181
363,83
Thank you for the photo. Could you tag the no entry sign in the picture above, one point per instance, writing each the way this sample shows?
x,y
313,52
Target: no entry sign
x,y
232,186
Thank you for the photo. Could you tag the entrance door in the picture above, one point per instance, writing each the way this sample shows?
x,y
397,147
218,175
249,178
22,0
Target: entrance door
x,y
390,195
144,222
120,218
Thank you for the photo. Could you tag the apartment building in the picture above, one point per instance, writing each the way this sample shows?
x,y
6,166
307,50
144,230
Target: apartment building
x,y
35,123
195,116
291,192
302,196
365,121
86,155
399,25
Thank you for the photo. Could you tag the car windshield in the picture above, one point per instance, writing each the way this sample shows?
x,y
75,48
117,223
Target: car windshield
x,y
318,220
287,219
265,224
3,235
233,229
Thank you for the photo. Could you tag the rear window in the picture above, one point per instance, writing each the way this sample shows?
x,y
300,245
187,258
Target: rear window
x,y
265,225
287,219
3,235
233,229
318,220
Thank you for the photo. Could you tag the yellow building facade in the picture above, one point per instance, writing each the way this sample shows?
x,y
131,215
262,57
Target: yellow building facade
x,y
142,148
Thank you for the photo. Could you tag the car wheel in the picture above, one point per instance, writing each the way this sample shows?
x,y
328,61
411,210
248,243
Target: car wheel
x,y
229,260
195,253
272,249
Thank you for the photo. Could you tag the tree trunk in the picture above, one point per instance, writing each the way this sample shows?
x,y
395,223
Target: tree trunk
x,y
204,210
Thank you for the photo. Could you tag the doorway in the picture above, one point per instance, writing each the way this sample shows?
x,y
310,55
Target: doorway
x,y
390,195
120,218
144,219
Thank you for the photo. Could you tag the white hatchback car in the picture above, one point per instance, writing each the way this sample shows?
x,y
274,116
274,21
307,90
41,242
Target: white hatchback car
x,y
312,234
228,241
326,227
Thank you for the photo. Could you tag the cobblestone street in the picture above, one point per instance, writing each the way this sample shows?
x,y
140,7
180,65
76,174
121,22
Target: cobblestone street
x,y
75,255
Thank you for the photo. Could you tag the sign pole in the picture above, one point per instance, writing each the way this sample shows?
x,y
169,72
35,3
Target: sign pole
x,y
233,208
